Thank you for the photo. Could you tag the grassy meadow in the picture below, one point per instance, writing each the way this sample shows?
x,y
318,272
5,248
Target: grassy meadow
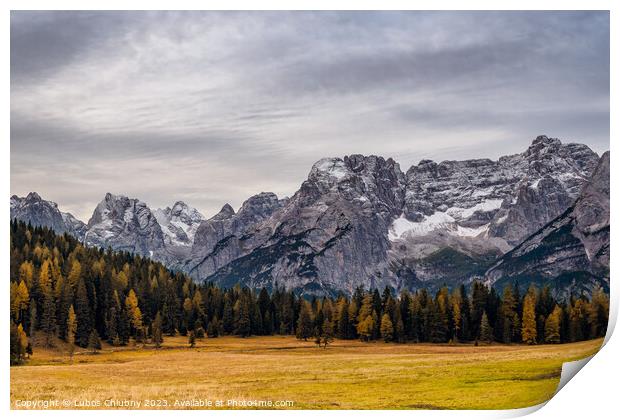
x,y
346,375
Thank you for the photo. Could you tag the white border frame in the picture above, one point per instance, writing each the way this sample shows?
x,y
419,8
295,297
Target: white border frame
x,y
592,394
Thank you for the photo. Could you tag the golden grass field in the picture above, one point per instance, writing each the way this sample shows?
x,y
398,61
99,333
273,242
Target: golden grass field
x,y
346,375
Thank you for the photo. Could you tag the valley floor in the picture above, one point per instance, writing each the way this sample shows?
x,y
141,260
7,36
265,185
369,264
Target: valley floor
x,y
281,370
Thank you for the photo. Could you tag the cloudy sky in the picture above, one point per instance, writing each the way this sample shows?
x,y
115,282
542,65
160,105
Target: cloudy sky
x,y
212,108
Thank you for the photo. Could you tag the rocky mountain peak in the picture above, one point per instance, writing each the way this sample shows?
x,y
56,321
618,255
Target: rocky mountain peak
x,y
592,214
124,224
371,181
185,213
111,197
257,208
179,224
225,213
33,196
39,212
359,220
571,252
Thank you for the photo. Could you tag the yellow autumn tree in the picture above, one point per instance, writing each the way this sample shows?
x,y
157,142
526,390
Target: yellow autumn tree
x,y
74,274
134,312
528,326
71,330
552,326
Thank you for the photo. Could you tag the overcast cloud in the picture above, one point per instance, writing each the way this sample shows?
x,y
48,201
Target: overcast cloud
x,y
212,108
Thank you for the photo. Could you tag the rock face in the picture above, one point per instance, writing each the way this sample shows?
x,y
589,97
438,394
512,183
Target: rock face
x,y
507,199
38,212
361,221
331,235
459,216
179,224
219,240
572,251
125,224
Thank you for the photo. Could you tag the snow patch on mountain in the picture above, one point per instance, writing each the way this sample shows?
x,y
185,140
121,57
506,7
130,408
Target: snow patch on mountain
x,y
402,228
484,206
179,223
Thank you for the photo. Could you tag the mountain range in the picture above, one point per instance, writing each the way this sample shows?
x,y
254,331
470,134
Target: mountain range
x,y
541,215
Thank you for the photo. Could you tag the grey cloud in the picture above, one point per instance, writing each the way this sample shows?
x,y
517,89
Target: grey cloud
x,y
211,107
43,42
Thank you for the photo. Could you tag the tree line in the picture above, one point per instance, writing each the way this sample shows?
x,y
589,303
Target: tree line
x,y
62,290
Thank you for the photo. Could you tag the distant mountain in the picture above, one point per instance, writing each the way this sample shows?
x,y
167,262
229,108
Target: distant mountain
x,y
331,235
125,224
459,216
361,221
572,251
38,212
179,223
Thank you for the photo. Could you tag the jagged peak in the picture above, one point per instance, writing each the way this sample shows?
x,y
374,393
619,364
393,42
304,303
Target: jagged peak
x,y
114,197
33,196
544,139
332,166
336,168
425,162
225,213
260,199
182,209
543,144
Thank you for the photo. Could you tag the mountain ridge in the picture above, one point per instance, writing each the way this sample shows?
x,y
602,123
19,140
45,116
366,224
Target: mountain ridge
x,y
358,220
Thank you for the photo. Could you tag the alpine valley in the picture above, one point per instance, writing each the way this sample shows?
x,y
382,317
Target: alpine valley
x,y
539,216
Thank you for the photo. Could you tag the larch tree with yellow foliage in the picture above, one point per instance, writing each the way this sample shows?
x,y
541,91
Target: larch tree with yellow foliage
x,y
71,330
528,327
134,313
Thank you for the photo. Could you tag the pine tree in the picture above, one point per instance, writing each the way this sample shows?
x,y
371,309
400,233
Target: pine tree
x,y
598,314
71,330
327,334
436,330
342,318
465,315
352,313
48,316
508,315
486,333
32,318
83,315
242,317
19,343
94,343
578,328
305,326
479,297
213,329
156,331
227,317
188,314
169,310
387,328
199,330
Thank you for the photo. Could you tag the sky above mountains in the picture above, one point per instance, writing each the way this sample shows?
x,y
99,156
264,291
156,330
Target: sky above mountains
x,y
213,107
